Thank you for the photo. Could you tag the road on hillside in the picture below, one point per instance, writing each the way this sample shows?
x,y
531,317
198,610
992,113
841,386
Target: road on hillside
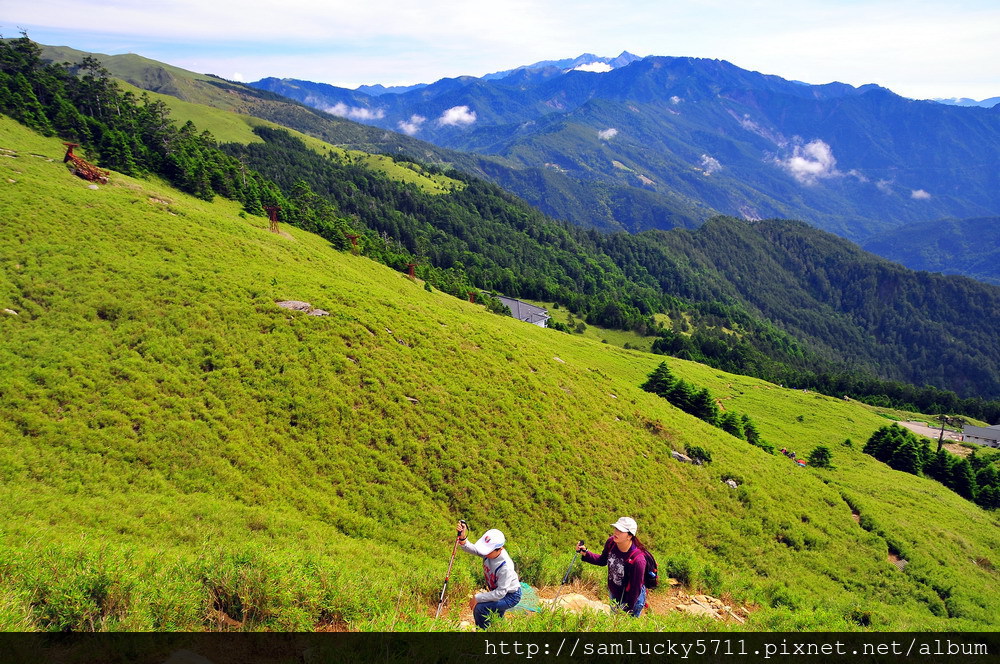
x,y
921,429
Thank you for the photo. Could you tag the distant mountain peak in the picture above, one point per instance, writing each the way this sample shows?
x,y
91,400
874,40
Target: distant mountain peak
x,y
584,62
965,101
379,89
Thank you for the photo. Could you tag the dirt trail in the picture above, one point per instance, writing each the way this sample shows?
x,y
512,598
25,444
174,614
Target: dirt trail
x,y
669,597
892,557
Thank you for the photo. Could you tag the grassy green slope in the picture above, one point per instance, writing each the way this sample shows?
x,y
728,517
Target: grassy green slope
x,y
214,106
173,445
151,75
227,126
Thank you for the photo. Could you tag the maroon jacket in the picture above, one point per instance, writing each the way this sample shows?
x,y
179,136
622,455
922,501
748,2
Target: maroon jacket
x,y
625,578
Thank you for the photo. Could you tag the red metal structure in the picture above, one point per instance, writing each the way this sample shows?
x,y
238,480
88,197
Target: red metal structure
x,y
272,214
412,267
354,241
82,167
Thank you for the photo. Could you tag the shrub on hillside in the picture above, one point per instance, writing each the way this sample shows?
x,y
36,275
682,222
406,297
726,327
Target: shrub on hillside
x,y
680,566
820,457
698,454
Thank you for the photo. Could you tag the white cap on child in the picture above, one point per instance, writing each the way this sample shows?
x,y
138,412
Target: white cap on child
x,y
490,542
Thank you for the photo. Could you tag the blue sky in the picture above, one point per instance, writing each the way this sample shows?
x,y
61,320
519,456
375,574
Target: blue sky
x,y
918,49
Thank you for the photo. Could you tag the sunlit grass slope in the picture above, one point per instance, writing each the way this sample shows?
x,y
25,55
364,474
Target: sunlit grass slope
x,y
177,452
231,126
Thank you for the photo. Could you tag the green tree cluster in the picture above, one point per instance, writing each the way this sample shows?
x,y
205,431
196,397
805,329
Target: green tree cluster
x,y
975,478
820,457
700,403
82,104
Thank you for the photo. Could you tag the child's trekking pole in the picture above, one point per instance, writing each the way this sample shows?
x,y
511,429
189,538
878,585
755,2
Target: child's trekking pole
x,y
448,574
566,577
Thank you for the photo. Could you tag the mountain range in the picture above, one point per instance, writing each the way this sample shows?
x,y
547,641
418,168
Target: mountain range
x,y
817,304
671,141
965,101
698,152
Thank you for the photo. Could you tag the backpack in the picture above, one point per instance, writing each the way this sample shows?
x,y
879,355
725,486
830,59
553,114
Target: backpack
x,y
651,579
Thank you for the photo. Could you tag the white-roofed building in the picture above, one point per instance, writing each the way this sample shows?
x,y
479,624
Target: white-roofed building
x,y
989,436
529,313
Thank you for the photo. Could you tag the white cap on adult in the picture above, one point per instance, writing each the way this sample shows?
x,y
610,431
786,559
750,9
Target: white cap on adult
x,y
626,524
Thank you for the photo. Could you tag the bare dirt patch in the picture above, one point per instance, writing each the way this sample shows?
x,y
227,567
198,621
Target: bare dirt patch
x,y
898,561
959,450
671,596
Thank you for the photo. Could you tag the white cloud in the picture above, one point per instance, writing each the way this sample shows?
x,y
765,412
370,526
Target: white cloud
x,y
763,132
607,134
237,76
710,164
595,67
811,162
342,110
675,100
920,195
412,126
885,186
457,116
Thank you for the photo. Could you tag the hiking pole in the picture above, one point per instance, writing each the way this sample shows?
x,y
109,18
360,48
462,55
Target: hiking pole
x,y
448,574
566,577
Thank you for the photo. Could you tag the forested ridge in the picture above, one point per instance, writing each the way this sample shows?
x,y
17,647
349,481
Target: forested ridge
x,y
856,310
951,246
773,299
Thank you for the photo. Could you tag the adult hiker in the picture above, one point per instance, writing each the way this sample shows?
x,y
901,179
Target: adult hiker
x,y
626,563
502,582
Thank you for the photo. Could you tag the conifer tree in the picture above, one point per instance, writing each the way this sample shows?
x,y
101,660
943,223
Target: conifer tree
x,y
963,482
733,424
884,442
906,458
988,497
876,441
988,476
682,395
926,453
660,380
820,457
750,430
704,406
940,467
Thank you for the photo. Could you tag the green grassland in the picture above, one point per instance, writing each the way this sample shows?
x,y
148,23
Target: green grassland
x,y
597,333
150,75
228,126
174,446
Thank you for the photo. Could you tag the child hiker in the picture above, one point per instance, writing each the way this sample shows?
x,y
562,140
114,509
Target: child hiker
x,y
623,555
504,587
